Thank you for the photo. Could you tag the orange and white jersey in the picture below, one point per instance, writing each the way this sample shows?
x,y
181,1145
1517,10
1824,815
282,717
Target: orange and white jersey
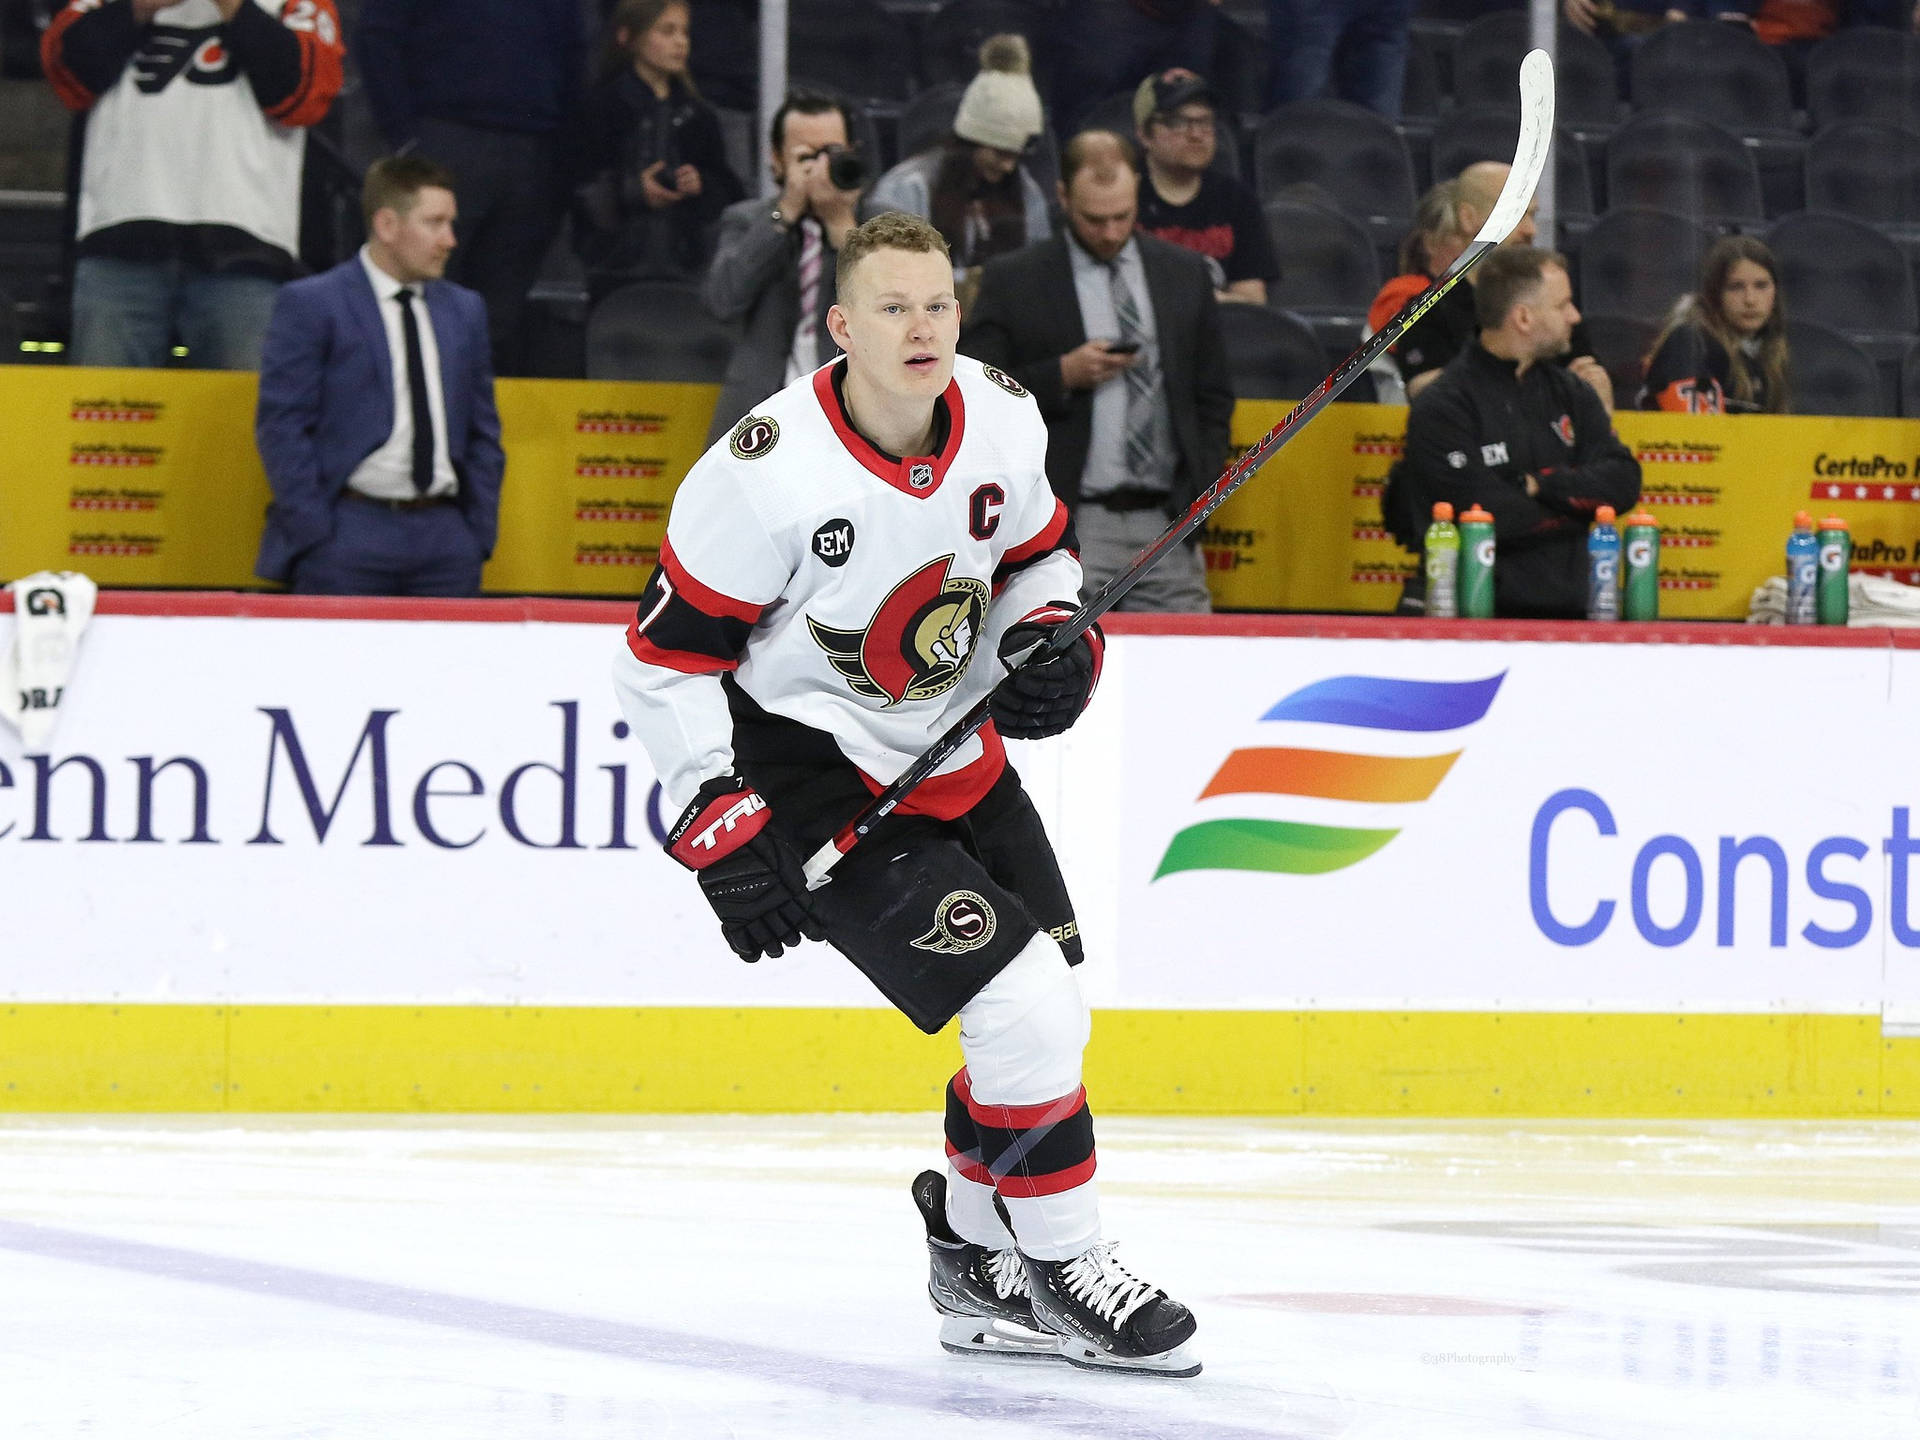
x,y
858,593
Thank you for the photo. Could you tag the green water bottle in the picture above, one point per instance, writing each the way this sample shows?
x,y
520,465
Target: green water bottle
x,y
1442,551
1642,549
1476,564
1830,590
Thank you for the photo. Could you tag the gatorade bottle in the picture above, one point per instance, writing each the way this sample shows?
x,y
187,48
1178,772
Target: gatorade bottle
x,y
1642,537
1803,567
1476,564
1830,590
1603,566
1443,563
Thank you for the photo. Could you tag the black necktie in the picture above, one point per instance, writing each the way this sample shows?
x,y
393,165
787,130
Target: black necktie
x,y
417,396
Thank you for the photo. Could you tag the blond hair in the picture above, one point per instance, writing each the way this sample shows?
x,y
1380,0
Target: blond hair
x,y
890,230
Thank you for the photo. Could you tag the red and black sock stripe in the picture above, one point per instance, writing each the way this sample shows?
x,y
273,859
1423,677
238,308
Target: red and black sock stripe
x,y
1021,1150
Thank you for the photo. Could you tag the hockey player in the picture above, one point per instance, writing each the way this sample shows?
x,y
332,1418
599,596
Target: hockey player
x,y
831,573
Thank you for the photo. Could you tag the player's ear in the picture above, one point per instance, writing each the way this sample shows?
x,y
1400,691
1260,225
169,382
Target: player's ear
x,y
837,326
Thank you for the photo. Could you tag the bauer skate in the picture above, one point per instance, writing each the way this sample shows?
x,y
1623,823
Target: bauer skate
x,y
980,1294
1108,1319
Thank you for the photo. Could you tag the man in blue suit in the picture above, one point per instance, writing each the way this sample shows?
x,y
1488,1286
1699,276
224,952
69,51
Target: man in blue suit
x,y
376,417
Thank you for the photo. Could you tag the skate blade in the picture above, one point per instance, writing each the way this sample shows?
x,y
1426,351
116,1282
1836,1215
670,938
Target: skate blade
x,y
1179,1363
973,1335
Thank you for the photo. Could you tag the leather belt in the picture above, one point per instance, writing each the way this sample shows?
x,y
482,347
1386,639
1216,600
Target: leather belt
x,y
422,502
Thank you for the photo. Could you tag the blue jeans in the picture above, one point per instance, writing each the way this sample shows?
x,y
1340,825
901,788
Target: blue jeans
x,y
1107,46
129,313
1353,49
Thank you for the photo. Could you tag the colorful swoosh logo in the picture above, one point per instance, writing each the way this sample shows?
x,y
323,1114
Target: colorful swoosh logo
x,y
1359,702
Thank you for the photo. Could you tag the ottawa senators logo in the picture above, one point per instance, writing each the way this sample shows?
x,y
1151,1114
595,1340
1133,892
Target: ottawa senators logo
x,y
918,643
964,921
754,437
1005,381
1563,427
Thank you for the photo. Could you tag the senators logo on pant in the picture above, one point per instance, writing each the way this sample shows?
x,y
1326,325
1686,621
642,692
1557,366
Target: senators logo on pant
x,y
918,643
964,921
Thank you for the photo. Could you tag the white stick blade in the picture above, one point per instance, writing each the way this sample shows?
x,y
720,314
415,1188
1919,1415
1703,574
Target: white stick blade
x,y
1530,158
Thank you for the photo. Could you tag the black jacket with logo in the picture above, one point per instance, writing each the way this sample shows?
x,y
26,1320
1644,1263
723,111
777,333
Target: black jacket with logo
x,y
1476,433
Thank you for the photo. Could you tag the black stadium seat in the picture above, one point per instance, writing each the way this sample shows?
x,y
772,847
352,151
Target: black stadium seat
x,y
852,46
1621,344
950,45
1910,382
1830,375
1682,163
1271,355
1486,70
656,330
928,118
1865,74
1329,270
1866,170
1487,132
1843,273
1719,71
1638,262
1350,152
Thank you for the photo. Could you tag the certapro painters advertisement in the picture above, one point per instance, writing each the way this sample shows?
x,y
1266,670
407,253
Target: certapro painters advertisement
x,y
373,811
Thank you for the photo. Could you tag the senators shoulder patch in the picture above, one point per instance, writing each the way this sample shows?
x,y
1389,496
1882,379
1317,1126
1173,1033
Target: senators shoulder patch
x,y
1005,381
753,437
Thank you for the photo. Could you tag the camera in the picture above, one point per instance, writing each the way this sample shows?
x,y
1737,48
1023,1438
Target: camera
x,y
845,167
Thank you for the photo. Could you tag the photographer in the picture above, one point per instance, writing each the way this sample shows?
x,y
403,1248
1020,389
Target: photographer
x,y
773,269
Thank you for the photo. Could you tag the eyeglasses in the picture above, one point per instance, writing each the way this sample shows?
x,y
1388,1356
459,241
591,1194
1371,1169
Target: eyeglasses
x,y
1192,124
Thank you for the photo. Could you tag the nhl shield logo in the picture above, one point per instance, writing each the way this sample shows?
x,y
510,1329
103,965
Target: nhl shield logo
x,y
918,643
920,476
964,921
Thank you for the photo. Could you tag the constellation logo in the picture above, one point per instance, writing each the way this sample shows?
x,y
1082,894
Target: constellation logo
x,y
1362,703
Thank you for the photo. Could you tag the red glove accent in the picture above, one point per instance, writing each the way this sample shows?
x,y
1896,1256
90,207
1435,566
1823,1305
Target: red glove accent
x,y
725,815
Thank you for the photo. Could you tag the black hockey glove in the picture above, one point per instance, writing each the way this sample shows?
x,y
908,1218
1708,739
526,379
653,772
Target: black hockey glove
x,y
1041,700
754,882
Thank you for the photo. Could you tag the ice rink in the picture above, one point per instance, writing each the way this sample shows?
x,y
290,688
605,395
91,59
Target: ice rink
x,y
519,1279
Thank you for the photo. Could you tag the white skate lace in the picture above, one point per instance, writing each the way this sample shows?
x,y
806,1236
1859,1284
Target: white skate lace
x,y
1008,1274
1103,1285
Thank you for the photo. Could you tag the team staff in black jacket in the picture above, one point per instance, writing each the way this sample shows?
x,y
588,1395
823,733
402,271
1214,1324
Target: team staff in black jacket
x,y
1526,439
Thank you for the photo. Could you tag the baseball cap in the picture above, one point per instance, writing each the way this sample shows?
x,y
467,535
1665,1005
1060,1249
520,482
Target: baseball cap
x,y
1168,91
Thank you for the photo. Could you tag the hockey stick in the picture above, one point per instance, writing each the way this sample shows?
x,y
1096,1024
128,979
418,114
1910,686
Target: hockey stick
x,y
1529,161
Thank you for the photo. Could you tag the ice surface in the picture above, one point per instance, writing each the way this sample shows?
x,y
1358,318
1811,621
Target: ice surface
x,y
521,1279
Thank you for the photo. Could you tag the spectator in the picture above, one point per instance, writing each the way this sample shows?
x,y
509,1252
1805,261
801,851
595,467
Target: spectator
x,y
773,268
1429,249
1505,428
978,189
376,422
1184,201
1621,25
1354,49
1105,46
489,88
1117,335
1724,351
653,153
189,212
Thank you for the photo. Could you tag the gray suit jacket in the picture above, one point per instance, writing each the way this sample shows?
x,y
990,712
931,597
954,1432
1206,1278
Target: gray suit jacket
x,y
754,279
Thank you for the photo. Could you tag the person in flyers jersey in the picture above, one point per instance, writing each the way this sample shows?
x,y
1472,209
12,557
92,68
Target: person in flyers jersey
x,y
189,215
843,575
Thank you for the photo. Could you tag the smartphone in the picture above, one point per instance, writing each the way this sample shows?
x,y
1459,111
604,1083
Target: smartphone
x,y
1122,347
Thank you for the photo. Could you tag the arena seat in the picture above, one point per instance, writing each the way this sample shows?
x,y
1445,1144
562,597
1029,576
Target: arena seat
x,y
1830,375
1638,262
1271,355
1865,73
1674,161
656,330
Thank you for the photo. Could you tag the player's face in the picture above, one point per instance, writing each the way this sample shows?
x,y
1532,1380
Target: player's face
x,y
1102,210
1554,314
420,239
1747,297
900,324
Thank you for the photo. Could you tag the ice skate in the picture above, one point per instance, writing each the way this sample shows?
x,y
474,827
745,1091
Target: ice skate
x,y
981,1294
1109,1319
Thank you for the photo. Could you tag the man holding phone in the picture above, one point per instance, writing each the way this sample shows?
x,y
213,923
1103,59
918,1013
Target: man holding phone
x,y
1131,375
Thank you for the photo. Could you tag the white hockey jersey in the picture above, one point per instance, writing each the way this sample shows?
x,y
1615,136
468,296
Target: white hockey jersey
x,y
861,594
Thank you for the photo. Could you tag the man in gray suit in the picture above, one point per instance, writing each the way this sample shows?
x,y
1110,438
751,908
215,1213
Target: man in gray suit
x,y
1117,335
773,267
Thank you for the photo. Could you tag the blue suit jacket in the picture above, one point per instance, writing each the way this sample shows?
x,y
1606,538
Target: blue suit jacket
x,y
326,403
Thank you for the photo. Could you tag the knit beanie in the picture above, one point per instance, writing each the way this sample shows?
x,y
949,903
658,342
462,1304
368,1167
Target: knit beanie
x,y
1001,108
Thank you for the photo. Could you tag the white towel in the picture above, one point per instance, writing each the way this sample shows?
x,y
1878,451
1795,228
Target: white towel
x,y
1872,600
50,612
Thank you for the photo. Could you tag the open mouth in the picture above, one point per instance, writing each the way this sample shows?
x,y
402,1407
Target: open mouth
x,y
922,364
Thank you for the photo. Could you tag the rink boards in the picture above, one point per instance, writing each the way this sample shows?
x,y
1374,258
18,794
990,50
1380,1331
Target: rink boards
x,y
287,855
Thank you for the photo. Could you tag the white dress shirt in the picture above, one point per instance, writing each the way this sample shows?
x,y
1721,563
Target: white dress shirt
x,y
1106,467
387,474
